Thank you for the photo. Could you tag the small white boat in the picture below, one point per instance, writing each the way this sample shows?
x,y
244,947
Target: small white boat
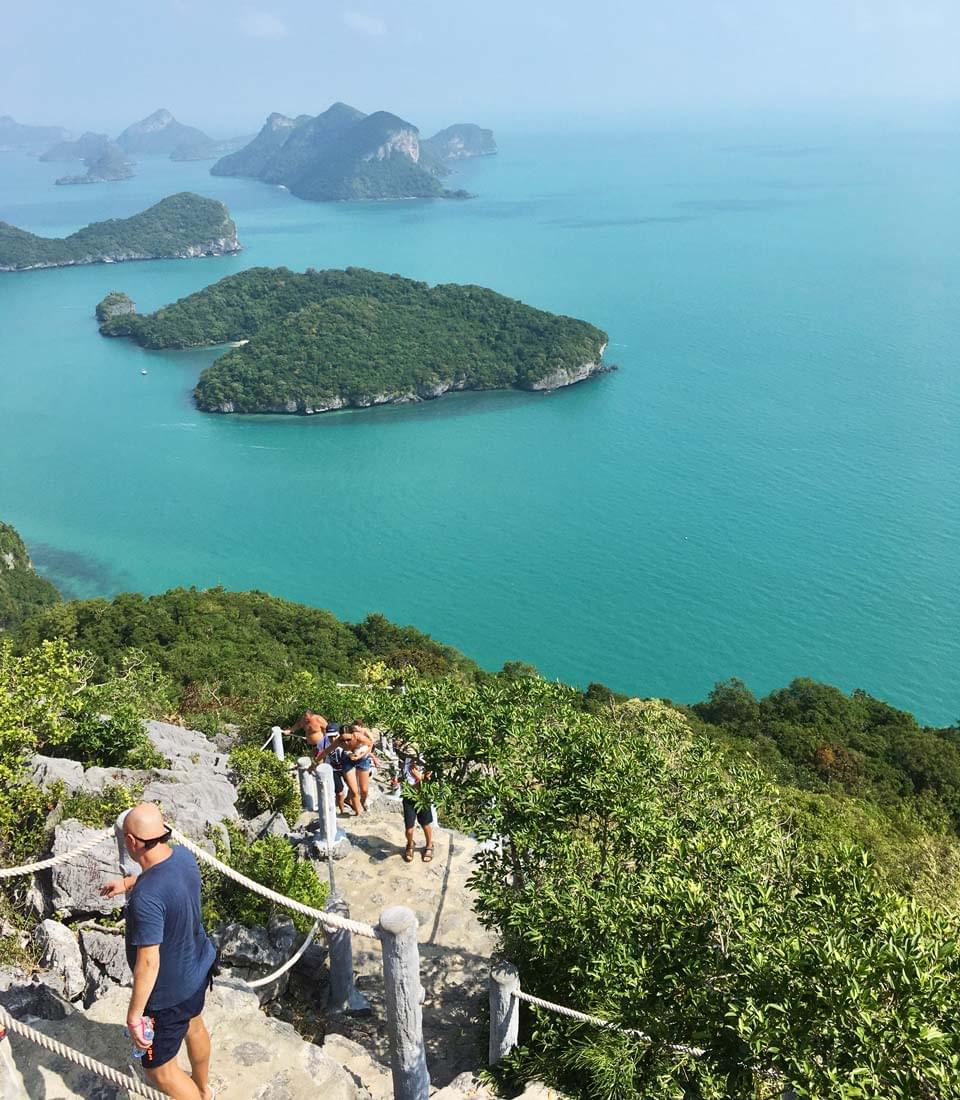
x,y
144,371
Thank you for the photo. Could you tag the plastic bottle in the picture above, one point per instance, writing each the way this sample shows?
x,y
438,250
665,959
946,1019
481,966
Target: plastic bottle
x,y
146,1029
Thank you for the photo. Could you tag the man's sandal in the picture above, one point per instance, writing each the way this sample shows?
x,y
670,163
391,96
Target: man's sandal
x,y
427,854
408,854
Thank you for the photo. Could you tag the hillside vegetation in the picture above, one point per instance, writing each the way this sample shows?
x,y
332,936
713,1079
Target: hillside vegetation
x,y
328,339
179,225
22,592
710,878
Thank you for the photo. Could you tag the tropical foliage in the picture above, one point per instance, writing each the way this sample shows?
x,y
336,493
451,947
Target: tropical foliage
x,y
271,861
168,228
651,877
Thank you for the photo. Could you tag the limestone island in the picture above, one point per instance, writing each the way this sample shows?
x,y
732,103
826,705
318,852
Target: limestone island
x,y
178,227
106,165
344,155
324,340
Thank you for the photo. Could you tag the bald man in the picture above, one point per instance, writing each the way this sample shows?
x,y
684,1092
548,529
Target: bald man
x,y
170,955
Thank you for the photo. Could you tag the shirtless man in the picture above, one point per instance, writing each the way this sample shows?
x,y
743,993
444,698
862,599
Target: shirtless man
x,y
311,724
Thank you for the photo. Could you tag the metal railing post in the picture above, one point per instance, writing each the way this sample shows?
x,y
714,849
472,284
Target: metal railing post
x,y
344,995
276,741
326,807
504,1010
401,979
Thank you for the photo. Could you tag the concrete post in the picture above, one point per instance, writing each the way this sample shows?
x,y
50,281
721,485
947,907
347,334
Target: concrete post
x,y
344,996
326,806
308,785
276,741
504,1010
401,980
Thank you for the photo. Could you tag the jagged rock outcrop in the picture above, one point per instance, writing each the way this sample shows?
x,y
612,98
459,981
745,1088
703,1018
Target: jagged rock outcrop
x,y
60,956
159,133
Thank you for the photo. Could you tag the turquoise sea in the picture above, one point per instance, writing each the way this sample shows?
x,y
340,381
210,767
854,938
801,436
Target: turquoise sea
x,y
767,488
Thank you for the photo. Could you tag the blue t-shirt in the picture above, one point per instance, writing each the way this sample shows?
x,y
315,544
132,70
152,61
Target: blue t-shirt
x,y
164,908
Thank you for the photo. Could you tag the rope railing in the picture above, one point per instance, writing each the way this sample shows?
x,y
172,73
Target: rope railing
x,y
53,861
108,1073
609,1025
328,920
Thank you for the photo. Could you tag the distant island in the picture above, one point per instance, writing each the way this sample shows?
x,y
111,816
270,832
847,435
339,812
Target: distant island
x,y
460,141
88,146
325,340
106,166
177,227
345,155
18,137
160,133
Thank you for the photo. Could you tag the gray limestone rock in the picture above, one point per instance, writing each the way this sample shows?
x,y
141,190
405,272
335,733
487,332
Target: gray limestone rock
x,y
249,947
75,886
186,749
45,770
269,823
193,800
60,954
105,954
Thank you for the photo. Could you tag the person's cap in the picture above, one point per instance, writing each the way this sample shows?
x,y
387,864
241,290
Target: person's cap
x,y
333,727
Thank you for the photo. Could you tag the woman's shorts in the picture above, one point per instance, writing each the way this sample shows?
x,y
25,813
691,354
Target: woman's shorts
x,y
170,1026
411,814
364,764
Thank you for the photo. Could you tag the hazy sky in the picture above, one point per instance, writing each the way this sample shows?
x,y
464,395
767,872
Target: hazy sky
x,y
225,64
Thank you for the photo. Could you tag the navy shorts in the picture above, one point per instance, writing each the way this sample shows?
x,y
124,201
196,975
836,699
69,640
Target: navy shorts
x,y
170,1026
411,814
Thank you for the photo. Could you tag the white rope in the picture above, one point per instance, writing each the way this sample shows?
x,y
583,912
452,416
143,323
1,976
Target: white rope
x,y
65,857
562,1010
131,1084
328,920
280,971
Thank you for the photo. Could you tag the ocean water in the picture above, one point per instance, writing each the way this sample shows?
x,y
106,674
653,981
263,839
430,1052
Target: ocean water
x,y
767,488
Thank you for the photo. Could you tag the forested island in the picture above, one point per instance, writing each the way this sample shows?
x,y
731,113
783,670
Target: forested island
x,y
177,227
325,340
160,133
343,155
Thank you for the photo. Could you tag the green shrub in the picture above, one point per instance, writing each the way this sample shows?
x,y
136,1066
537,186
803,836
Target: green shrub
x,y
270,861
263,783
99,810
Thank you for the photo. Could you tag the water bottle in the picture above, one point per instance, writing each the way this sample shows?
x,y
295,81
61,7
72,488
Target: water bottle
x,y
146,1028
